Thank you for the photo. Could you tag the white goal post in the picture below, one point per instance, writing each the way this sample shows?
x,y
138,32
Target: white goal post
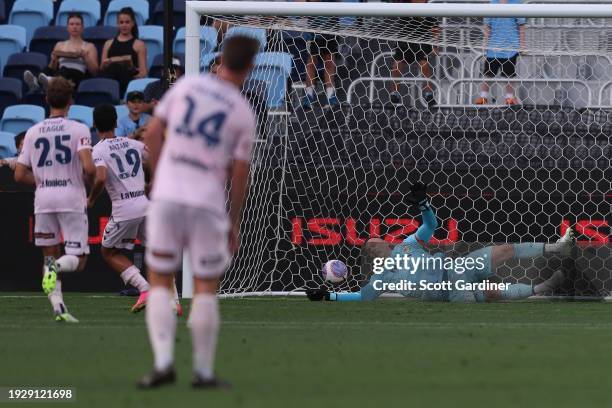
x,y
234,10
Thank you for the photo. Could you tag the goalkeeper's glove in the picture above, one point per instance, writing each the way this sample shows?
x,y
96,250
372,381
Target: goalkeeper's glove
x,y
419,195
317,295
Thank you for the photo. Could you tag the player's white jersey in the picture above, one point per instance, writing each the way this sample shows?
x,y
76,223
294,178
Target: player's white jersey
x,y
209,123
125,181
51,149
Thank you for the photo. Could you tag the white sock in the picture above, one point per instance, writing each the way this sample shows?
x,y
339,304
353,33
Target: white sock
x,y
161,324
68,263
132,276
204,324
310,91
57,299
330,91
484,94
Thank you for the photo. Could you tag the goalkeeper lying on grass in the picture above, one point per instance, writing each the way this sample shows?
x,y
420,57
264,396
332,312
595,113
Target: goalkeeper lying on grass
x,y
413,272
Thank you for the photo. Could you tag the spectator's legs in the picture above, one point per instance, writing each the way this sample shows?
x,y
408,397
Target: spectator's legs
x,y
427,71
330,73
396,72
311,73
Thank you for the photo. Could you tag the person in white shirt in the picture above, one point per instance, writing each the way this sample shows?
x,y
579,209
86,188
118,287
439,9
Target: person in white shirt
x,y
209,129
56,152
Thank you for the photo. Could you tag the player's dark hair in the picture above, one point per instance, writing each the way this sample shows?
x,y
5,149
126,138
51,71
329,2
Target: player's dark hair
x,y
59,92
128,11
105,117
75,15
19,138
239,52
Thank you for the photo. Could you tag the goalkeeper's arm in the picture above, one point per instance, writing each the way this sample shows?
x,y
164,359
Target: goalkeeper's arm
x,y
429,222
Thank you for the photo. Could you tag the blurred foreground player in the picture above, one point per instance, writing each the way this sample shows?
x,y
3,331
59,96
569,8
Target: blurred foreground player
x,y
434,271
120,164
56,152
210,129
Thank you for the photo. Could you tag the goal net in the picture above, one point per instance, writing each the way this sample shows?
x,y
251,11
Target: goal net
x,y
355,101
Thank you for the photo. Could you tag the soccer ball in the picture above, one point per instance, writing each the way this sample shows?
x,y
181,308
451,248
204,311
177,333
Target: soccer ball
x,y
334,271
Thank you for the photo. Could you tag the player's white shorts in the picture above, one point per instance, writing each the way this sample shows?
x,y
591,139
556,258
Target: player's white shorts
x,y
72,226
173,227
122,234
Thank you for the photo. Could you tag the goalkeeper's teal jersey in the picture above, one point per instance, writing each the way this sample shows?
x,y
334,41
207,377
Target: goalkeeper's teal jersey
x,y
411,247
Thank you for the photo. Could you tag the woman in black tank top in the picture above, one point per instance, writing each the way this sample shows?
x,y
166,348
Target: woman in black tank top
x,y
125,57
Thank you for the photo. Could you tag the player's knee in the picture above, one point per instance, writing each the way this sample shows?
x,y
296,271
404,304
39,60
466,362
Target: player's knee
x,y
205,285
160,279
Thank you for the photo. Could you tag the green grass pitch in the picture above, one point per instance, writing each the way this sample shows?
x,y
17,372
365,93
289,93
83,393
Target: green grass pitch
x,y
288,352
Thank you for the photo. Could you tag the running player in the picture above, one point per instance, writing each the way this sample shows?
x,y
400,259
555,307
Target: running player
x,y
56,152
484,260
210,128
120,168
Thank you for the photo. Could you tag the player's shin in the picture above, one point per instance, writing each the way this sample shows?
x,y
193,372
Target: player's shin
x,y
204,324
345,296
133,277
161,325
56,298
516,291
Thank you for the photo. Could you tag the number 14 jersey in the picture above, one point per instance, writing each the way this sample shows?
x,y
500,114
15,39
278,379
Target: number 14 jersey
x,y
125,179
209,124
50,149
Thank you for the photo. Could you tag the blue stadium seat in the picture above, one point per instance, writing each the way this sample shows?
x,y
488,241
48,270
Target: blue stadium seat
x,y
138,85
273,68
7,145
18,63
208,40
258,33
12,40
88,9
18,118
44,39
158,65
92,92
140,7
10,93
207,59
153,37
83,114
31,15
122,110
178,16
98,35
38,99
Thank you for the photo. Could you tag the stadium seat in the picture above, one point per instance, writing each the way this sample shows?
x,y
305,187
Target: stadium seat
x,y
89,9
158,65
207,59
3,12
138,85
98,35
140,7
258,33
153,37
10,93
208,40
31,15
44,39
38,99
122,110
83,114
20,62
178,17
18,118
12,40
7,145
92,92
273,68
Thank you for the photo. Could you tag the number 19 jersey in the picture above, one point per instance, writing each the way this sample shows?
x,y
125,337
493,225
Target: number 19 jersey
x,y
209,124
125,181
50,149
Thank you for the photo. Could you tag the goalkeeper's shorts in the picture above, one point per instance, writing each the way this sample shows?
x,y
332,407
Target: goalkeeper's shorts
x,y
172,228
471,276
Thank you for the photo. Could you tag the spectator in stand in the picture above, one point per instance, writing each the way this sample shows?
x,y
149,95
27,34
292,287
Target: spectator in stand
x,y
135,119
125,57
12,161
73,59
503,37
324,47
155,90
420,29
